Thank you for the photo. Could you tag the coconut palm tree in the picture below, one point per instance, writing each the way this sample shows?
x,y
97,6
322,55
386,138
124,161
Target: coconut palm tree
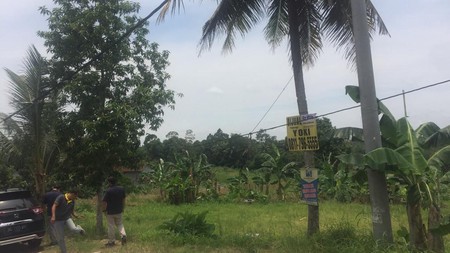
x,y
29,137
306,23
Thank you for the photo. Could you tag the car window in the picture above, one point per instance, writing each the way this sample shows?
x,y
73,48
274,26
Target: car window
x,y
16,200
15,204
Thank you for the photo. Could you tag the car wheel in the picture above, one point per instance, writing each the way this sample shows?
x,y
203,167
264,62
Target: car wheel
x,y
34,243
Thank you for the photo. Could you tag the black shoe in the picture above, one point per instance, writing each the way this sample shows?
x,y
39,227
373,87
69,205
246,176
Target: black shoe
x,y
82,232
124,240
110,244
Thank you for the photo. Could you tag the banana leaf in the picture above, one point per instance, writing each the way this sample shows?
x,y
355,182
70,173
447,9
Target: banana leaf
x,y
440,160
425,130
439,139
349,133
353,92
388,128
356,159
382,158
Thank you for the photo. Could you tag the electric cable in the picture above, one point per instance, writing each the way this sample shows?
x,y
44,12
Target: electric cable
x,y
265,114
356,106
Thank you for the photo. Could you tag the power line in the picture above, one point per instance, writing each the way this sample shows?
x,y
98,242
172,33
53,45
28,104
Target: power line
x,y
356,106
88,63
273,103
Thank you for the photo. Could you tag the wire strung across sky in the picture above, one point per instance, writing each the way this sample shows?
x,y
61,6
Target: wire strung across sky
x,y
139,24
340,110
279,95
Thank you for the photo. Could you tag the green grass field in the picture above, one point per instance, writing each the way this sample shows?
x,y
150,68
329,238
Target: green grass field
x,y
239,227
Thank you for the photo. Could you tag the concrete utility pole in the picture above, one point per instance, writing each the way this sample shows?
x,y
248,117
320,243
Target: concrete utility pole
x,y
381,217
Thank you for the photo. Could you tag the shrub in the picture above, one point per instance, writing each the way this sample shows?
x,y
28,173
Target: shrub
x,y
188,223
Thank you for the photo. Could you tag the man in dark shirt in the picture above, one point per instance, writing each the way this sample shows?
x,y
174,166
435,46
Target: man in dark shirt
x,y
62,210
113,205
48,200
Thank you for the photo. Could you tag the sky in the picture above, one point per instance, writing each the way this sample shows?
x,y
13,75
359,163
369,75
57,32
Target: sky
x,y
235,91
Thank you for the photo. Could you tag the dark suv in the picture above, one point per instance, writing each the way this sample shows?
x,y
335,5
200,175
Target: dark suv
x,y
21,218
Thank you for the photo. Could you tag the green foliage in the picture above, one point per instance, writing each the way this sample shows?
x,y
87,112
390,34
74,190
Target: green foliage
x,y
404,157
342,183
27,140
240,189
116,97
443,228
182,179
188,223
10,179
403,234
276,172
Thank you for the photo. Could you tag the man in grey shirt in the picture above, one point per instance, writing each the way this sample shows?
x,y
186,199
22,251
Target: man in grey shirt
x,y
62,210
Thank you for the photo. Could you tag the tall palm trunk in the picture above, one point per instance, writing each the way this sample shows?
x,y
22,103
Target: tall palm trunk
x,y
39,172
297,63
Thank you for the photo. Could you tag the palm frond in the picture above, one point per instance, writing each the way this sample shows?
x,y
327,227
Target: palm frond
x,y
231,17
338,28
27,88
278,25
310,18
171,5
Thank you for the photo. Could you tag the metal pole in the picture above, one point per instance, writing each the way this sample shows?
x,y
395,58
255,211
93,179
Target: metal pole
x,y
404,103
381,218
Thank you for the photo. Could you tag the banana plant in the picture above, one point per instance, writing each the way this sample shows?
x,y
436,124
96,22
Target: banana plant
x,y
275,168
417,159
186,175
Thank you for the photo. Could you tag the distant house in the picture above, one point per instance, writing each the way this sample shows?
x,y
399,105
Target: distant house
x,y
134,174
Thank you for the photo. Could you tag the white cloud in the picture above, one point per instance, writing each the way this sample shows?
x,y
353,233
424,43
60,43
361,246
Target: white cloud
x,y
215,90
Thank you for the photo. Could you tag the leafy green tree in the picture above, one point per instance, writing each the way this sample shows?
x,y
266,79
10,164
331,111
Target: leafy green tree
x,y
216,147
110,103
172,134
29,139
305,23
189,136
174,147
241,151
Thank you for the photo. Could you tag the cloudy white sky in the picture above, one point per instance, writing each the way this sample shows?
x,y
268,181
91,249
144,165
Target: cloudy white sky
x,y
234,91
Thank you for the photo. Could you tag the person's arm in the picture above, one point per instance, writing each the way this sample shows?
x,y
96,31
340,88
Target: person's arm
x,y
52,220
104,206
75,215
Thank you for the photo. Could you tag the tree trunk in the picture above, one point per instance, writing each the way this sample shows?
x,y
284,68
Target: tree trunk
x,y
417,235
435,241
300,91
99,217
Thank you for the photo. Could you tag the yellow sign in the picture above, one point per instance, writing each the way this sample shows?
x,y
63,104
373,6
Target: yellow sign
x,y
302,133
